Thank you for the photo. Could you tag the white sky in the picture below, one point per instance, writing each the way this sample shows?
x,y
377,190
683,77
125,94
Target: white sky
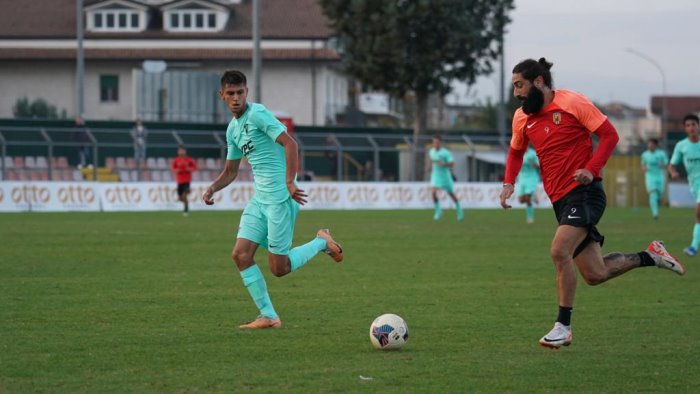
x,y
587,40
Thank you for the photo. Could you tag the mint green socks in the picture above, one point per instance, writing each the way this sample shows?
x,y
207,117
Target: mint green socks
x,y
438,210
696,236
654,203
530,213
255,283
302,254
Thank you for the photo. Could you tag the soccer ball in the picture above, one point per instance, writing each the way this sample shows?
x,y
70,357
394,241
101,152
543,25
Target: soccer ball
x,y
388,331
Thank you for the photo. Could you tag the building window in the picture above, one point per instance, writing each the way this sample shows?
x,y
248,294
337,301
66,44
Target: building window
x,y
115,20
109,88
191,20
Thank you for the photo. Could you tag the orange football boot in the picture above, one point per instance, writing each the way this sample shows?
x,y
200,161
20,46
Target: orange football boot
x,y
333,248
261,322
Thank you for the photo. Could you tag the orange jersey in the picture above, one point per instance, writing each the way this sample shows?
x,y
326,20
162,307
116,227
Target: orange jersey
x,y
183,168
561,136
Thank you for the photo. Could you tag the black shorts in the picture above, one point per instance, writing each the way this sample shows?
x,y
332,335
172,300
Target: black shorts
x,y
583,207
183,188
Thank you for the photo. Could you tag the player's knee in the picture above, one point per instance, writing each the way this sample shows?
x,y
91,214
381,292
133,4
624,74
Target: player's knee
x,y
241,258
560,255
279,271
594,278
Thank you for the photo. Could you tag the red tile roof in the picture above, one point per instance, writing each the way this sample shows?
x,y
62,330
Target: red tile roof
x,y
56,19
167,54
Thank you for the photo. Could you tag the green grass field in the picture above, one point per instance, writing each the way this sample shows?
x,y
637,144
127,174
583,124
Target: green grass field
x,y
150,302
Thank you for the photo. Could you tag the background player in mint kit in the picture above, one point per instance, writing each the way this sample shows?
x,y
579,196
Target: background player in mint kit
x,y
268,219
687,151
654,162
441,163
559,124
527,182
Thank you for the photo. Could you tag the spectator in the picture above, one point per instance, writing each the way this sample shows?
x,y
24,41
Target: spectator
x,y
84,142
139,134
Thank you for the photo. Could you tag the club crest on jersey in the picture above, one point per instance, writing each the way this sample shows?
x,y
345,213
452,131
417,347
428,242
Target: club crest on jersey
x,y
556,117
245,128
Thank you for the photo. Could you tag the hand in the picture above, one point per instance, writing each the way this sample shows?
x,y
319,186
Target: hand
x,y
583,176
297,194
673,173
507,191
208,196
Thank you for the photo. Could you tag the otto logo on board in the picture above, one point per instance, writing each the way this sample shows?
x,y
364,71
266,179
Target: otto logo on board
x,y
31,194
162,194
363,194
324,194
76,195
123,195
241,193
398,194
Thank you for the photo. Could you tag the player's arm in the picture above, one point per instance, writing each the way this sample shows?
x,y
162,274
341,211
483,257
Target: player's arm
x,y
676,159
607,140
228,175
514,162
291,155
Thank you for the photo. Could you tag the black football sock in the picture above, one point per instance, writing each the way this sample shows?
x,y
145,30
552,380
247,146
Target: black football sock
x,y
645,260
564,316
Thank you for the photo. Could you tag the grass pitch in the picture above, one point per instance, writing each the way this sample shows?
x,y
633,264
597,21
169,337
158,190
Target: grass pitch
x,y
150,302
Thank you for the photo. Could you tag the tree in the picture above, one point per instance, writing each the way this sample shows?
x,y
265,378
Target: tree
x,y
417,46
38,108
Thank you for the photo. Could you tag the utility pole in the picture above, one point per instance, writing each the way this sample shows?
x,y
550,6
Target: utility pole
x,y
80,69
257,59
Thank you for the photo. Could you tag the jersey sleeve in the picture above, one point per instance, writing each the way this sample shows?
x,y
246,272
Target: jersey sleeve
x,y
519,140
677,156
234,153
582,108
266,122
448,157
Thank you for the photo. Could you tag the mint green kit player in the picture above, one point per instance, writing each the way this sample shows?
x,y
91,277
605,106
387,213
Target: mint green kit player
x,y
441,177
688,153
441,161
654,162
529,176
269,217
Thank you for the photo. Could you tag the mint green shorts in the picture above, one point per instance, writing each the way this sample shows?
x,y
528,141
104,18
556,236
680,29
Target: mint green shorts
x,y
443,182
655,183
269,225
526,187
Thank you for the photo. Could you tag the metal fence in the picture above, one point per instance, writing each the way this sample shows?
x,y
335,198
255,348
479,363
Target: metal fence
x,y
347,156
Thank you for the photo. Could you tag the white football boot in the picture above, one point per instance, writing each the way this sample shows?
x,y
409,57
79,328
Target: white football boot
x,y
559,336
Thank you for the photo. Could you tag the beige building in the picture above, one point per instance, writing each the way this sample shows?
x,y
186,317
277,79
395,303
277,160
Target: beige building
x,y
186,43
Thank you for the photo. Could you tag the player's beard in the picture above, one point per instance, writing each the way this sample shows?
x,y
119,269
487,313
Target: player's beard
x,y
534,101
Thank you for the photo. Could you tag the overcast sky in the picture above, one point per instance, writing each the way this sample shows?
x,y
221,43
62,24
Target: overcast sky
x,y
587,41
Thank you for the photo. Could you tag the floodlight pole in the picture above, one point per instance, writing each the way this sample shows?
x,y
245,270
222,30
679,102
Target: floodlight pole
x,y
80,67
257,59
663,92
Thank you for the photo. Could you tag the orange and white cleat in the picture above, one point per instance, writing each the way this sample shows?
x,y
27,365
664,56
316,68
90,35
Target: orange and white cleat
x,y
663,259
333,248
261,322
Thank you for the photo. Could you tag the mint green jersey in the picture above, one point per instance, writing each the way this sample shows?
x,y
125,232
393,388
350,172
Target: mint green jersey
x,y
655,162
689,154
530,171
253,135
441,176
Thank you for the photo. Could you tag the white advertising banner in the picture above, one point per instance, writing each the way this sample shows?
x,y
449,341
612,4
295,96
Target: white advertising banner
x,y
49,196
152,196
